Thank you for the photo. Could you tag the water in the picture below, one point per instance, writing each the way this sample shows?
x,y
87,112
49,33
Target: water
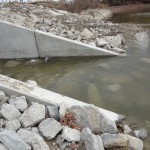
x,y
120,84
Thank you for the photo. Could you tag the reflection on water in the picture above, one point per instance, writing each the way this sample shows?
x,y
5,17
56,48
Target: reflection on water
x,y
120,84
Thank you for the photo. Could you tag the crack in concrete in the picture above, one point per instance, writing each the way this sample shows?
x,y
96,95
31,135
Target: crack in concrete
x,y
36,43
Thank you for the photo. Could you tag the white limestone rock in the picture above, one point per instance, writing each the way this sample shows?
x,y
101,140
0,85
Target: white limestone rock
x,y
113,140
13,141
127,129
50,128
101,42
87,34
89,116
70,134
13,125
2,147
62,109
2,95
33,139
53,112
114,41
33,115
9,112
91,141
134,143
19,102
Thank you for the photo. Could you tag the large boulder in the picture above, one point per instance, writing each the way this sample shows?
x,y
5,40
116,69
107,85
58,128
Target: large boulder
x,y
13,141
33,139
33,115
125,140
9,112
49,128
70,134
91,141
89,116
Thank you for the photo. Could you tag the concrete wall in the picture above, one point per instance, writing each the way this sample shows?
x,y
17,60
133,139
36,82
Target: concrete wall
x,y
16,42
33,93
19,42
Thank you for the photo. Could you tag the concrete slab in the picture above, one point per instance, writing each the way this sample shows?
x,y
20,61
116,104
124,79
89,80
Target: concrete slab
x,y
50,45
16,42
33,93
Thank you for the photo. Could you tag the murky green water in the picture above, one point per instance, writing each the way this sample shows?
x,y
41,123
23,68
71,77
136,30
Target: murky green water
x,y
120,84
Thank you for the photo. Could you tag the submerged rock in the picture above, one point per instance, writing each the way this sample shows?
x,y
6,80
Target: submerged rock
x,y
11,63
33,115
13,141
89,116
91,141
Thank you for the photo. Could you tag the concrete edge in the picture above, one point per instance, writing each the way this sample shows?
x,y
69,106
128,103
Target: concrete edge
x,y
33,93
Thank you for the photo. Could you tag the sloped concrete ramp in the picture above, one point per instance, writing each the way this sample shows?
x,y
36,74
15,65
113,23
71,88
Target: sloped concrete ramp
x,y
19,42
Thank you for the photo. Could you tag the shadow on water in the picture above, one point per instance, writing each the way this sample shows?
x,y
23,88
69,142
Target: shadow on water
x,y
120,84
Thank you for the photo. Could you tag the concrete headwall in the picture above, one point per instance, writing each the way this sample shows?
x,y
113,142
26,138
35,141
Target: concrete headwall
x,y
19,42
16,42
